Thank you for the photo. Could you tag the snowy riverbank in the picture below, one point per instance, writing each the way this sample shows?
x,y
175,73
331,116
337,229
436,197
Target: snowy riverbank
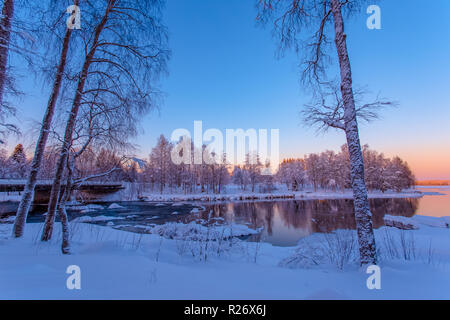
x,y
236,195
117,264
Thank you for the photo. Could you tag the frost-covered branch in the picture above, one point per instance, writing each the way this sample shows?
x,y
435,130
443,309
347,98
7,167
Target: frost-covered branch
x,y
327,108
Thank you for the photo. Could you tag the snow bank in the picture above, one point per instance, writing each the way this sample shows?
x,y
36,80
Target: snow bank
x,y
337,249
121,265
400,222
96,219
238,195
216,197
115,206
10,196
178,204
85,208
439,222
414,222
9,219
195,231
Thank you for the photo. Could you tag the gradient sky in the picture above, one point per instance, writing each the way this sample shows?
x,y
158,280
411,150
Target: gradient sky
x,y
224,72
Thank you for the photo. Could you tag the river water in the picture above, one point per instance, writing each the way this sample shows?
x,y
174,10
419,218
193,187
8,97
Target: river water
x,y
284,222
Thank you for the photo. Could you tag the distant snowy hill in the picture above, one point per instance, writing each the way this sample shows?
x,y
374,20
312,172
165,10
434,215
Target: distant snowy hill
x,y
142,164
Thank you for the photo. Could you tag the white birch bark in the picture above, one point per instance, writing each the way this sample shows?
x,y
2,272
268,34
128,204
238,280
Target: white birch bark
x,y
61,164
62,214
363,215
27,197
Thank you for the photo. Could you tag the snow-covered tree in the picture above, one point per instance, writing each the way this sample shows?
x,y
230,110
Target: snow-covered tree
x,y
326,19
293,173
5,36
6,80
330,170
126,50
41,143
18,162
398,175
312,167
4,164
161,163
253,167
239,177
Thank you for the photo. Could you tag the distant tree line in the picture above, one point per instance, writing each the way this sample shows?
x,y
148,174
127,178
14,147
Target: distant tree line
x,y
330,170
326,171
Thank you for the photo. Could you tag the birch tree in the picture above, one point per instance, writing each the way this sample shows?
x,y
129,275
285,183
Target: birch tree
x,y
125,52
5,38
10,30
95,127
308,26
27,197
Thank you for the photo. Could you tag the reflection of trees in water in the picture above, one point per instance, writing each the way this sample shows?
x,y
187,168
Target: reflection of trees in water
x,y
317,215
312,215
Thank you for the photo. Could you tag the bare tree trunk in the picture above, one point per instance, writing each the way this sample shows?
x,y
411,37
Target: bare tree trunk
x,y
65,245
27,197
363,215
5,37
61,164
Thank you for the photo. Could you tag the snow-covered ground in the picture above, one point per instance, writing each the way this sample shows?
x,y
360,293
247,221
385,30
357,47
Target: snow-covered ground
x,y
120,265
233,193
10,196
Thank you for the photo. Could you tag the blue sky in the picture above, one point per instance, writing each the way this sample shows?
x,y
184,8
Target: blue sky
x,y
224,72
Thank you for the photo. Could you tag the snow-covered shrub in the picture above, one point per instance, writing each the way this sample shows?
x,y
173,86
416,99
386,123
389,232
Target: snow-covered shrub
x,y
200,230
203,238
339,249
398,244
253,248
205,241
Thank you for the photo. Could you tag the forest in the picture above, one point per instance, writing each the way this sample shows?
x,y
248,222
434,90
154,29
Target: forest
x,y
158,174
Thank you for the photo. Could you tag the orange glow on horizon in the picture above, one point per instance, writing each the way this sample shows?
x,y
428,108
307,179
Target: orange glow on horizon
x,y
426,162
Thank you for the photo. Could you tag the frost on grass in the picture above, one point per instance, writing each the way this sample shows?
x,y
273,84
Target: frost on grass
x,y
198,231
397,245
403,245
338,249
202,239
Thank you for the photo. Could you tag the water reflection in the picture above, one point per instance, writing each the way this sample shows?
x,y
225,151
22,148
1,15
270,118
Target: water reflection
x,y
285,222
436,202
